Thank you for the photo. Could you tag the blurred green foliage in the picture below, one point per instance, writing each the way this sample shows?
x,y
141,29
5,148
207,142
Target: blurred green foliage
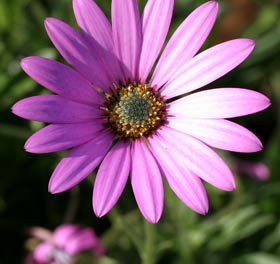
x,y
241,227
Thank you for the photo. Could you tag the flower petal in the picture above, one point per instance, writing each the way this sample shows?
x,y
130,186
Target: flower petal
x,y
92,20
78,52
199,158
208,66
98,30
127,35
146,182
64,233
111,178
154,33
185,42
79,163
42,253
218,133
74,239
219,103
54,109
59,137
186,185
61,79
83,240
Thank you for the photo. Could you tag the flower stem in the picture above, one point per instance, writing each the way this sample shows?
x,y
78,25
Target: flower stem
x,y
121,223
149,254
72,205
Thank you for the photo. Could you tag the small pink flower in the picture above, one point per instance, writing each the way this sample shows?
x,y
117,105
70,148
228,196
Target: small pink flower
x,y
61,246
109,112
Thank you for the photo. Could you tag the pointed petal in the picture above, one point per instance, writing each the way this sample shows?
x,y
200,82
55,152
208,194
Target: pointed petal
x,y
208,66
61,136
219,103
79,163
127,35
154,33
93,21
200,159
61,79
146,182
78,52
218,133
97,29
111,178
185,42
54,109
186,185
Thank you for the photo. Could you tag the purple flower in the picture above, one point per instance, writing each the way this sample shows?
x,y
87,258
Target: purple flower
x,y
61,246
108,110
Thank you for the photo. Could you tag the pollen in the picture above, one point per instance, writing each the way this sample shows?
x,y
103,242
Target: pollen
x,y
134,110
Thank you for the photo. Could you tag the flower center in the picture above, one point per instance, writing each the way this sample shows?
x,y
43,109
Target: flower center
x,y
134,110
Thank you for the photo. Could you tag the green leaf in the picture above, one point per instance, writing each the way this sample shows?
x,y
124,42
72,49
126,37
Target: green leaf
x,y
257,258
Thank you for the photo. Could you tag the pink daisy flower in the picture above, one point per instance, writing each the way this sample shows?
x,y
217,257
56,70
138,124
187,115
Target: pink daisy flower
x,y
63,245
108,110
